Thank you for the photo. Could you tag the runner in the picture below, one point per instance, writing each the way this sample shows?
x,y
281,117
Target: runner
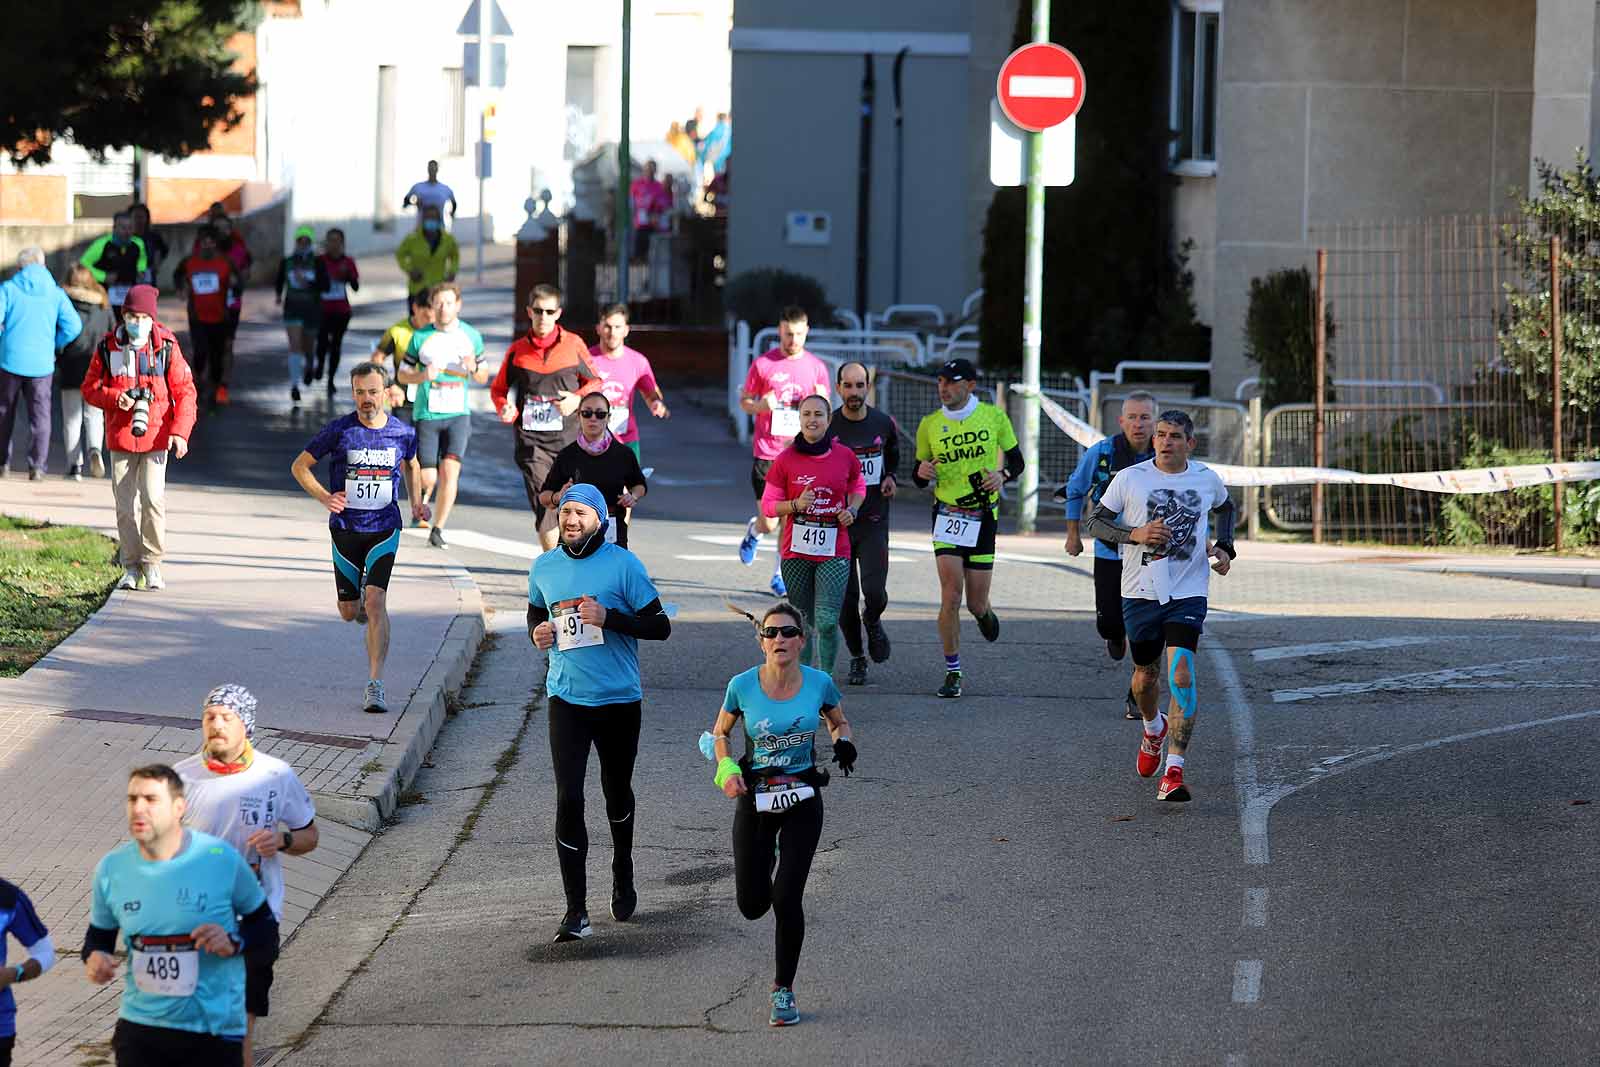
x,y
18,919
778,380
369,452
155,246
1100,462
967,450
442,361
343,279
205,278
192,916
589,606
624,371
233,246
1169,499
875,439
392,348
540,381
602,461
432,193
776,783
428,255
817,484
242,796
117,259
301,281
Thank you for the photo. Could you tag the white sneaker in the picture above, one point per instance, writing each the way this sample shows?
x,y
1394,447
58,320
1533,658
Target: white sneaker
x,y
373,698
97,464
129,579
152,578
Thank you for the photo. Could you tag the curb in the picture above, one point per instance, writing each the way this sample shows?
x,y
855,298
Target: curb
x,y
1570,579
376,796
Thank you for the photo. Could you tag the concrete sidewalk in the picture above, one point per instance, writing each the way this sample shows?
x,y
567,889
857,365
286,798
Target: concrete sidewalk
x,y
249,599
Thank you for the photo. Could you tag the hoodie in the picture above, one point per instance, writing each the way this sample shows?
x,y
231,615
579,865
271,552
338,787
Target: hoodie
x,y
36,318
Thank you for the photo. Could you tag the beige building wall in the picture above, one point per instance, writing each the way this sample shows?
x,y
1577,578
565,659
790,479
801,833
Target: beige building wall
x,y
1366,110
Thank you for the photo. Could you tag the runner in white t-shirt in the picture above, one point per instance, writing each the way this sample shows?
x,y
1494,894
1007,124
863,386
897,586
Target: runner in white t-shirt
x,y
1167,557
254,802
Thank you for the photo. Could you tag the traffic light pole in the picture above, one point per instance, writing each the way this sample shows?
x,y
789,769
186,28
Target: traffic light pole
x,y
1032,308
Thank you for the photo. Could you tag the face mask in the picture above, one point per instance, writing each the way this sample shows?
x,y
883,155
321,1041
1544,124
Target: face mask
x,y
138,332
431,225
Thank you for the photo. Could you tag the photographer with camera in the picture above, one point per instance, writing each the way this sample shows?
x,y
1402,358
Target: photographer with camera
x,y
138,376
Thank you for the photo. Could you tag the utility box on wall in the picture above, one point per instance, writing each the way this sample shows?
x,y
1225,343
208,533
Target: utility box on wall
x,y
808,228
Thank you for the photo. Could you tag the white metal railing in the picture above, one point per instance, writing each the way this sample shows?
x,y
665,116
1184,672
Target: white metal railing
x,y
965,336
832,346
972,302
847,316
1431,388
875,319
1097,377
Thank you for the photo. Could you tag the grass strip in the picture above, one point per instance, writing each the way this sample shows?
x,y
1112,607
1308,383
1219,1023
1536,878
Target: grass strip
x,y
52,578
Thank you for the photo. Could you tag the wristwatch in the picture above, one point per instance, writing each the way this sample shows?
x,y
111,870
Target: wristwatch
x,y
20,976
288,841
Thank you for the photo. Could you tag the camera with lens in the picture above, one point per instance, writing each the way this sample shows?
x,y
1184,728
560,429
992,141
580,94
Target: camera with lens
x,y
141,397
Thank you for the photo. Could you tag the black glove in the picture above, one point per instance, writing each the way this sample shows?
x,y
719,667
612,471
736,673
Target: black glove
x,y
844,754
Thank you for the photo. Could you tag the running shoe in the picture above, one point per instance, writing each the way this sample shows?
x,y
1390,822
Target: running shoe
x,y
97,464
373,700
858,671
129,579
778,588
877,642
623,899
1150,751
784,1013
1172,787
952,684
361,610
747,547
574,926
221,399
989,625
152,578
75,472
1117,648
420,524
1131,711
294,393
35,474
436,537
309,374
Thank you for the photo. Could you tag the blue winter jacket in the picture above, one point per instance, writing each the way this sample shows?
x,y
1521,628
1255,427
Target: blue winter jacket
x,y
36,318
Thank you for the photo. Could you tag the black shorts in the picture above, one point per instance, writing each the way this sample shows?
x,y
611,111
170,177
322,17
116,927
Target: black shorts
x,y
1153,626
758,476
980,557
257,983
232,322
535,462
137,1045
362,559
443,439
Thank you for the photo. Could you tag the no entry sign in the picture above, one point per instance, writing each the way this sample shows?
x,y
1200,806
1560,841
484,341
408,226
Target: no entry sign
x,y
1040,86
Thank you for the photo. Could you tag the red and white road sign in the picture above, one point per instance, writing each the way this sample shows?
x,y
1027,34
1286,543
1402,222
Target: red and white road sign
x,y
1040,86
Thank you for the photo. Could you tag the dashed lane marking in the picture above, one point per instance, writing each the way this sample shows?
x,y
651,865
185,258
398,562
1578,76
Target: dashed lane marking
x,y
1255,907
1325,648
1247,981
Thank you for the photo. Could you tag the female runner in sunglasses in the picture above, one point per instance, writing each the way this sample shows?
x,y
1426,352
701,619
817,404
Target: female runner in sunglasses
x,y
597,458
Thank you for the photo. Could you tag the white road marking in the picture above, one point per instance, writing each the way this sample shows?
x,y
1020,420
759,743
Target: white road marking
x,y
524,550
1450,678
1255,803
1247,981
1327,647
668,480
1255,907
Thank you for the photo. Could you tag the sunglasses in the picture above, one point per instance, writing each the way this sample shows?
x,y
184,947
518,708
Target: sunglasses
x,y
544,311
781,631
592,414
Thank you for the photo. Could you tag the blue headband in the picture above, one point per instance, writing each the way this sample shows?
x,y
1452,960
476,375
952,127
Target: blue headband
x,y
590,497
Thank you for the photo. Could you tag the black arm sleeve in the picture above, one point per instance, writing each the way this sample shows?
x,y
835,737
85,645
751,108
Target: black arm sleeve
x,y
98,939
259,932
650,624
1102,525
536,615
917,479
891,451
1226,514
1014,463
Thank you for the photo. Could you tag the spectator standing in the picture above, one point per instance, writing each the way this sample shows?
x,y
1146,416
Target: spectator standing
x,y
428,255
205,277
155,245
83,426
717,146
681,142
117,258
431,193
36,318
141,354
343,279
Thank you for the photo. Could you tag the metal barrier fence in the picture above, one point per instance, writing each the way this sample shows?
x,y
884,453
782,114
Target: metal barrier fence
x,y
1221,428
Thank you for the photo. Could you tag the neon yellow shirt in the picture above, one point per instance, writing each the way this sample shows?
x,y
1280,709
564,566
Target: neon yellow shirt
x,y
973,445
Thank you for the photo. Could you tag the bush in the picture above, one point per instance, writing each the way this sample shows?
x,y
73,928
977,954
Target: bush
x,y
1279,336
759,296
1518,516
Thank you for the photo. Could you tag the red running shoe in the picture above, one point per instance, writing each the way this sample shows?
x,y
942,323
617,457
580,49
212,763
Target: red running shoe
x,y
1150,751
221,398
1172,787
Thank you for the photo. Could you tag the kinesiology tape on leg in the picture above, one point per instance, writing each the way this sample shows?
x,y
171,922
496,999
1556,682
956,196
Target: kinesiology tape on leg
x,y
1184,695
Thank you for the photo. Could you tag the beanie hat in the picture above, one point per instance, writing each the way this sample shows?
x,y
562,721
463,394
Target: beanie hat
x,y
141,299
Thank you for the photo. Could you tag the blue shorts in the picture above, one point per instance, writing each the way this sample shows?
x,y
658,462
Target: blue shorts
x,y
1152,625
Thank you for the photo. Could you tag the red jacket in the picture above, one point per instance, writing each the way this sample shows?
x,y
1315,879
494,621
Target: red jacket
x,y
162,369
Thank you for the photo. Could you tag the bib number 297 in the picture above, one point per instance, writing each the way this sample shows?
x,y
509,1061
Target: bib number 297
x,y
955,527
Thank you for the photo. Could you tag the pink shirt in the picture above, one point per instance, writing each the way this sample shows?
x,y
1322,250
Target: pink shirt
x,y
619,379
792,380
834,477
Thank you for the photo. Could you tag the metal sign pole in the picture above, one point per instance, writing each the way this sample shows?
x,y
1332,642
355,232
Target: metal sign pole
x,y
1032,308
624,160
484,46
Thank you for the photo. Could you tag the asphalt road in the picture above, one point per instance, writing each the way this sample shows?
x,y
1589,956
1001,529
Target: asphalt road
x,y
1388,858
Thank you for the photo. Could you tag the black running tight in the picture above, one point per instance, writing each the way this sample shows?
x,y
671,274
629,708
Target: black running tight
x,y
795,834
613,730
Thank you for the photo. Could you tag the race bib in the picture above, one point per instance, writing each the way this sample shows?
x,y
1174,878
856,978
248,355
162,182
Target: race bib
x,y
809,537
871,464
785,422
302,277
205,283
368,493
167,970
446,397
117,293
334,291
619,420
957,526
772,799
611,532
571,631
540,415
